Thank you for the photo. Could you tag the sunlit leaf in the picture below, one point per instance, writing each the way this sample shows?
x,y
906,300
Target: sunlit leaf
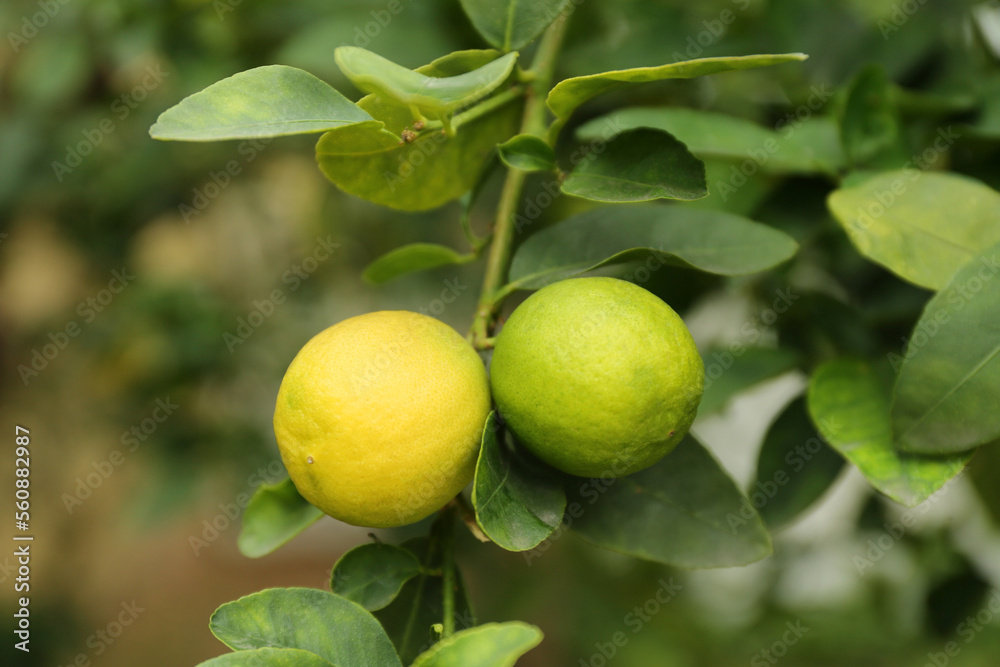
x,y
511,24
489,645
411,258
276,513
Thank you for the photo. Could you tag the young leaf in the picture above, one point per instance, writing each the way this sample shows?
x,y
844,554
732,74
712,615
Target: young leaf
x,y
568,94
276,513
373,574
527,153
639,165
489,645
684,511
408,620
510,24
375,164
337,630
709,241
411,258
868,124
269,101
435,96
795,467
727,375
268,657
518,501
813,146
922,226
946,392
851,411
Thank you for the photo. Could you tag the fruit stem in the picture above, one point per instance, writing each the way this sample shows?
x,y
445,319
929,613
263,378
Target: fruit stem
x,y
448,585
533,122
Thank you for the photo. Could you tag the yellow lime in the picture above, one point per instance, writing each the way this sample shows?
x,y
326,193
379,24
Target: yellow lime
x,y
597,376
379,418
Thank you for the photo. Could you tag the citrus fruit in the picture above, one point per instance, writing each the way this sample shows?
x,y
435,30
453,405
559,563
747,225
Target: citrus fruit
x,y
379,418
596,376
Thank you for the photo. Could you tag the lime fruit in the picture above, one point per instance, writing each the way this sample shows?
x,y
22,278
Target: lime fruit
x,y
596,376
379,418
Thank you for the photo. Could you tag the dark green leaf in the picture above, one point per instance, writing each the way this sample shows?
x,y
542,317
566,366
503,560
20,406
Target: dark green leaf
x,y
489,645
684,511
728,374
795,468
518,501
868,124
709,241
949,377
375,164
267,101
850,409
511,24
527,153
813,146
373,574
922,226
410,258
275,514
335,629
568,94
433,95
268,657
638,165
408,619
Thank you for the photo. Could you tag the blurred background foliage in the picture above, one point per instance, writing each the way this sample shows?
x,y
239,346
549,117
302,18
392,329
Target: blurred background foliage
x,y
211,255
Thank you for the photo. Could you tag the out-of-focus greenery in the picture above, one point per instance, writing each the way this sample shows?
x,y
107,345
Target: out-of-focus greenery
x,y
209,249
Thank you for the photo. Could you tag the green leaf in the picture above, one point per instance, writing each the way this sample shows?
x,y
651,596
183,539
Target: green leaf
x,y
811,147
276,513
408,620
868,124
335,629
527,153
922,226
569,94
411,258
518,501
489,645
728,374
684,511
269,101
639,165
710,241
373,574
268,657
436,96
372,162
850,409
949,379
511,24
795,467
